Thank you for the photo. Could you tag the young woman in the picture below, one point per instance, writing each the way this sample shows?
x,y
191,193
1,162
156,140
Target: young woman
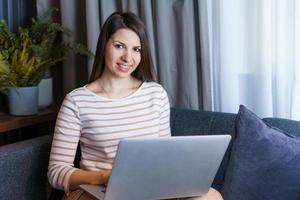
x,y
121,100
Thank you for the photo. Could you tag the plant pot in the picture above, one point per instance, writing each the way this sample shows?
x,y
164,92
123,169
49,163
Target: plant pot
x,y
45,93
23,101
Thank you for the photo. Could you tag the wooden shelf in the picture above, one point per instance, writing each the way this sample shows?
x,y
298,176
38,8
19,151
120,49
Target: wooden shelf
x,y
9,122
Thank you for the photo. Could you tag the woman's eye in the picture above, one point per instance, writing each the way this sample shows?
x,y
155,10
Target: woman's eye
x,y
119,46
137,49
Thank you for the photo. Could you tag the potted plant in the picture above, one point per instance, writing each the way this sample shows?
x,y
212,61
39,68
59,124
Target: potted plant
x,y
25,57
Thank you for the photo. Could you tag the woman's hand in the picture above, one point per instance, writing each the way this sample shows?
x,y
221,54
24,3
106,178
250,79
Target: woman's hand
x,y
80,176
105,176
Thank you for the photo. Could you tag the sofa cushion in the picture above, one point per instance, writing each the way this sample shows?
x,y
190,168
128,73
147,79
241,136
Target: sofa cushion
x,y
287,125
195,122
264,162
23,169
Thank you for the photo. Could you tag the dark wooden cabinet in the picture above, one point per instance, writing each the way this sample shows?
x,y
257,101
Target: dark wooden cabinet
x,y
17,128
9,122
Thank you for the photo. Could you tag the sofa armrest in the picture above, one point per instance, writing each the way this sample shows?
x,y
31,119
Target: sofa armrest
x,y
23,169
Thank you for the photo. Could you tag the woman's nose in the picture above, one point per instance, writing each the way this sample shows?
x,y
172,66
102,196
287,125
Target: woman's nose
x,y
127,56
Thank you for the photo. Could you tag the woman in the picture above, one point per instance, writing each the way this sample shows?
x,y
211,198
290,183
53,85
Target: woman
x,y
121,100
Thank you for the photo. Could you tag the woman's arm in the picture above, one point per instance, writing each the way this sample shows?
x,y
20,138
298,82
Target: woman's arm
x,y
164,115
64,145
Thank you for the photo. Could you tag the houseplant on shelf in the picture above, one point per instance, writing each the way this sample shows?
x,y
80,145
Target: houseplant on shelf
x,y
25,57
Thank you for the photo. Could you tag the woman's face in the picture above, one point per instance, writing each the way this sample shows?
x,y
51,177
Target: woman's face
x,y
122,53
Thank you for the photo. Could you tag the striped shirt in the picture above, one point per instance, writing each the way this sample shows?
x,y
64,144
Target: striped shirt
x,y
99,123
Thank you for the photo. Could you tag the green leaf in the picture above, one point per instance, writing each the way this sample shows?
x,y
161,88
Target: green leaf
x,y
25,56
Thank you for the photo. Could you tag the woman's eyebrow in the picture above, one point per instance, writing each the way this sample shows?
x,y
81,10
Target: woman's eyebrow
x,y
119,42
138,46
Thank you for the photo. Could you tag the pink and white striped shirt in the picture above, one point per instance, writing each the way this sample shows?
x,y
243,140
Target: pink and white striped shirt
x,y
99,123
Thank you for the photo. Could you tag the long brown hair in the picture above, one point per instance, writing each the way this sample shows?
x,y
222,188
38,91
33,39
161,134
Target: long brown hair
x,y
127,20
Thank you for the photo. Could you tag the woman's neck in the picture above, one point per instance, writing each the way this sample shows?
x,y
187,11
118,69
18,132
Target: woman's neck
x,y
114,88
112,85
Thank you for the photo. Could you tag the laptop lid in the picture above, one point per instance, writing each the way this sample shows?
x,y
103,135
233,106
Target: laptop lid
x,y
162,168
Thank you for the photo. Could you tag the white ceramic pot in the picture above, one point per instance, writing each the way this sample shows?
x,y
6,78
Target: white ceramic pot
x,y
45,98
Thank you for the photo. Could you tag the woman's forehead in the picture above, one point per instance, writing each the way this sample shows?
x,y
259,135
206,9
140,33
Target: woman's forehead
x,y
126,36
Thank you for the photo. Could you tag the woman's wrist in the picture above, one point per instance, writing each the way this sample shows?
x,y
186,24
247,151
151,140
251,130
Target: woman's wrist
x,y
99,177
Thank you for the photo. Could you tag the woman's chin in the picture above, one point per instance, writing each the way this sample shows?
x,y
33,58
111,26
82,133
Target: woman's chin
x,y
122,74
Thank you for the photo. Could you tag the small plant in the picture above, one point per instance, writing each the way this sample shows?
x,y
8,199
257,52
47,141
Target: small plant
x,y
26,56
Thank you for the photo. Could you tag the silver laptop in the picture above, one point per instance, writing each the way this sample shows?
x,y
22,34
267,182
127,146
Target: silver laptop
x,y
163,168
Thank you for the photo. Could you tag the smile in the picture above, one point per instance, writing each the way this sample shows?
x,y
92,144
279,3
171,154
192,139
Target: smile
x,y
124,67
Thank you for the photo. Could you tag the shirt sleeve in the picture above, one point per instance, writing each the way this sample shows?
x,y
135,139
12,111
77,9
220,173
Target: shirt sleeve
x,y
64,145
164,116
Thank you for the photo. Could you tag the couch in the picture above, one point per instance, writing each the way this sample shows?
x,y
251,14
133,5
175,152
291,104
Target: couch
x,y
23,165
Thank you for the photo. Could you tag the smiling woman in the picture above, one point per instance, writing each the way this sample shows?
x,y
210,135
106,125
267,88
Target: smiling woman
x,y
121,101
121,63
122,55
115,26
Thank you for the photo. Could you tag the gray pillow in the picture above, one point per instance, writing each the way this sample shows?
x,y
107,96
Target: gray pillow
x,y
264,162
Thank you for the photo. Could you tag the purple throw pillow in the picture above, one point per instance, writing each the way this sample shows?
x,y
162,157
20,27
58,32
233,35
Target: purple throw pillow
x,y
264,162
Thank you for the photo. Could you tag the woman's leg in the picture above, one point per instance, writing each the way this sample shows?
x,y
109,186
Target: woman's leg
x,y
82,195
78,194
211,195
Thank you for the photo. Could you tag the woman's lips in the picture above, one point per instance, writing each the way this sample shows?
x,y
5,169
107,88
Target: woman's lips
x,y
124,67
